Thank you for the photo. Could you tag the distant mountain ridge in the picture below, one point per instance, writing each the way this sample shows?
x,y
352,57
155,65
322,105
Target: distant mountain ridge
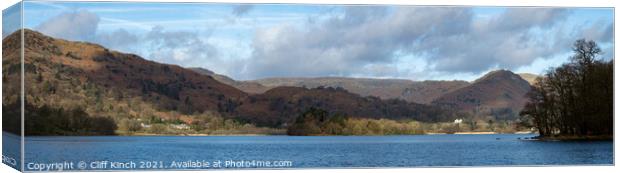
x,y
413,91
246,86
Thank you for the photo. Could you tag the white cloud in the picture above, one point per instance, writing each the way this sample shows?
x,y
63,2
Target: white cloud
x,y
366,40
79,25
119,39
186,48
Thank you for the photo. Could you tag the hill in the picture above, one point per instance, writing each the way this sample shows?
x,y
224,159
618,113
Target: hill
x,y
57,62
499,93
499,83
69,80
93,81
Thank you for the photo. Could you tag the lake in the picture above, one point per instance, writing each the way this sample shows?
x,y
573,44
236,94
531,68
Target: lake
x,y
236,152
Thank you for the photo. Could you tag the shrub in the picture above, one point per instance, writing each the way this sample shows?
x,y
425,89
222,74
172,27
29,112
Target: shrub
x,y
158,129
130,125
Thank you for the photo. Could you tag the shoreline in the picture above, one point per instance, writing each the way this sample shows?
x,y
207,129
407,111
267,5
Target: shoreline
x,y
196,134
284,134
475,133
575,138
535,138
481,133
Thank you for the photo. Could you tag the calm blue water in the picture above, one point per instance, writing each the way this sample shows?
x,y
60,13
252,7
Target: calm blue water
x,y
11,149
313,151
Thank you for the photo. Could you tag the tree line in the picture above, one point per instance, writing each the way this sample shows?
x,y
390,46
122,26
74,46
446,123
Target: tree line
x,y
316,121
575,99
48,120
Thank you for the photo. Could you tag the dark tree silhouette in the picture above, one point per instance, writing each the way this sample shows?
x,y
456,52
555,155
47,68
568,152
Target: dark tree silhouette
x,y
575,99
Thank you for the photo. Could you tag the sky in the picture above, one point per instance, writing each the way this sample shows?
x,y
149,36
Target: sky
x,y
256,41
